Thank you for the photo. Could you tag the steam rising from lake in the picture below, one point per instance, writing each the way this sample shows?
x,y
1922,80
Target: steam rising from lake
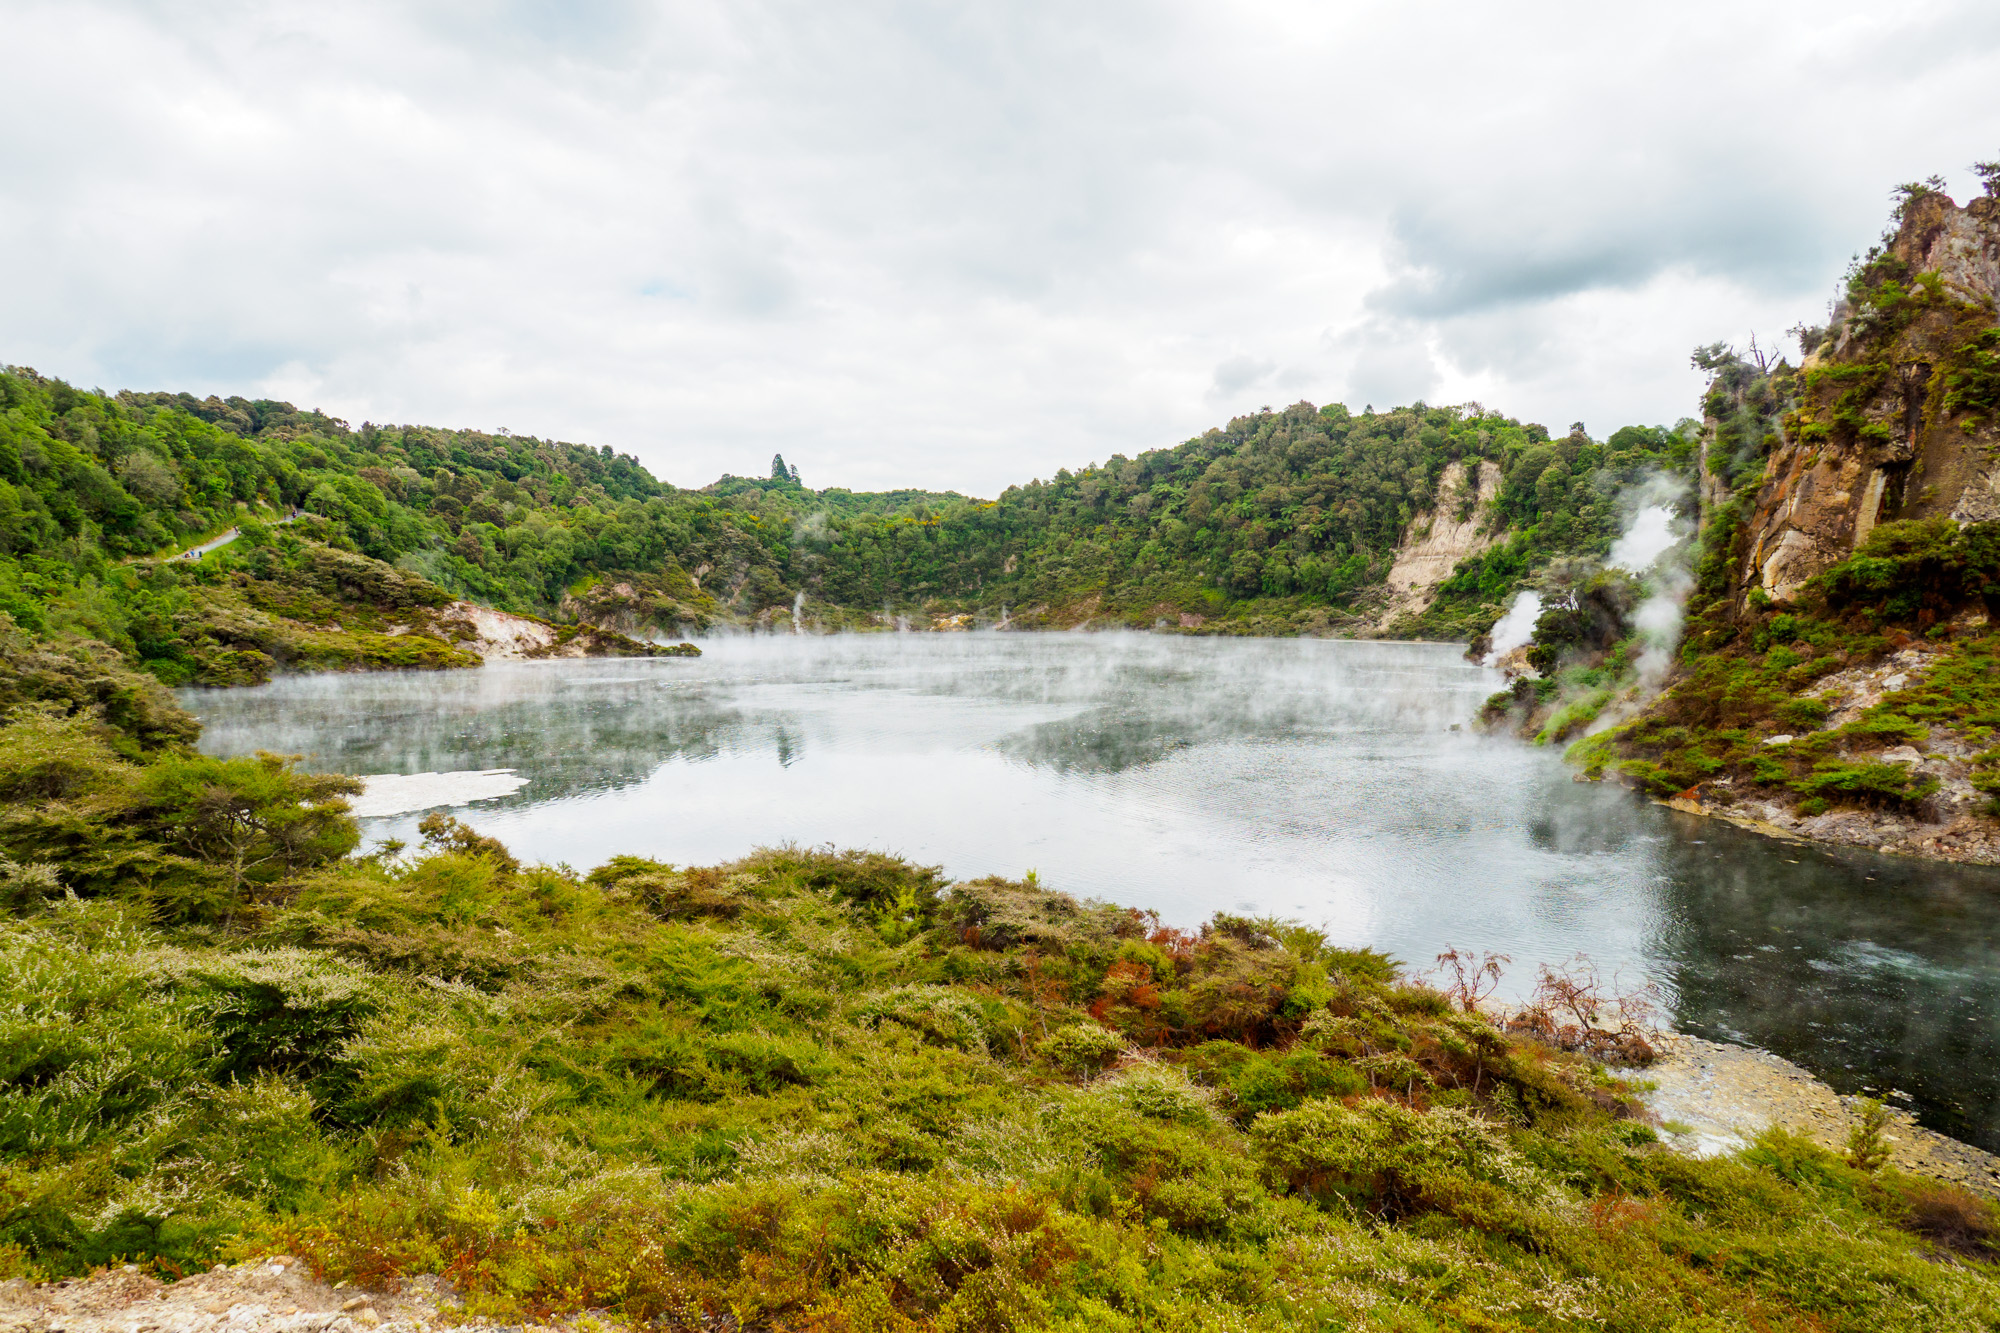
x,y
1515,628
1309,779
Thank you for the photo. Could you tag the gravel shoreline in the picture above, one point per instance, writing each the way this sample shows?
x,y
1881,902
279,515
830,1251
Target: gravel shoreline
x,y
1715,1098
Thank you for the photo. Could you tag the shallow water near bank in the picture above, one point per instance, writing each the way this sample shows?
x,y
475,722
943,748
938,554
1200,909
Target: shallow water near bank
x,y
1315,779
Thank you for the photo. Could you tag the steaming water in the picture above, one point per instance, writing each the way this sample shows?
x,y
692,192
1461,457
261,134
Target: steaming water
x,y
1310,779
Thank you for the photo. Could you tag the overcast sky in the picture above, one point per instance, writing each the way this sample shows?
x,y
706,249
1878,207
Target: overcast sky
x,y
950,245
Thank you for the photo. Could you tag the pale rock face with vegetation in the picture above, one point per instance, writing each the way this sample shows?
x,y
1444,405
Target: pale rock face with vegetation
x,y
1899,403
1460,524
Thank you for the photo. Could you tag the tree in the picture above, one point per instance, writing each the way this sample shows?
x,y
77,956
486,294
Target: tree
x,y
1551,487
254,818
1910,193
779,472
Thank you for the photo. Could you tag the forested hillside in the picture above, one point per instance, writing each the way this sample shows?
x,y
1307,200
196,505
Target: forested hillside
x,y
93,489
1287,521
1283,522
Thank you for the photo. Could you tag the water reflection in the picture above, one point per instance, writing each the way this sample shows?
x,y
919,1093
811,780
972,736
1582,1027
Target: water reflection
x,y
1876,972
571,735
1315,780
1101,741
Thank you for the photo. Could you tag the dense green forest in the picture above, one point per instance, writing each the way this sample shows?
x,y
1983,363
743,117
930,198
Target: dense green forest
x,y
1284,521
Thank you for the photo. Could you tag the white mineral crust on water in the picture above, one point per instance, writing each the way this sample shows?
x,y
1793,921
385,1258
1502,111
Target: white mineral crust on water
x,y
400,793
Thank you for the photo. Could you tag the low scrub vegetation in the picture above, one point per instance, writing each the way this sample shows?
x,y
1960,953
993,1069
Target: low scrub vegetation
x,y
831,1090
1757,685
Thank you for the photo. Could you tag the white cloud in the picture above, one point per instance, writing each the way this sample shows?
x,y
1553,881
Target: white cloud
x,y
950,246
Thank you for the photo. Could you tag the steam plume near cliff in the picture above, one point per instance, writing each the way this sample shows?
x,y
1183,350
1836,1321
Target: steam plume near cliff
x,y
1655,548
1517,627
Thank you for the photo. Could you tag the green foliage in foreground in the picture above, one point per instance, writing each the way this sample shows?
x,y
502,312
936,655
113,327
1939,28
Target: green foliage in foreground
x,y
818,1090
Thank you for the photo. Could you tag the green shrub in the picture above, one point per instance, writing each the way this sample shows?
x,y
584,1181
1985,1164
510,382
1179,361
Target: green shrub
x,y
1917,569
88,1043
941,1015
761,1064
1081,1048
26,887
1279,1082
1802,714
1867,1148
1866,782
668,894
282,1011
1398,1162
260,1140
1160,1093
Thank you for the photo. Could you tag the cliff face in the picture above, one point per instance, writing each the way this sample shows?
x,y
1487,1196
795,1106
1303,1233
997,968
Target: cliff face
x,y
1437,540
1839,674
1895,418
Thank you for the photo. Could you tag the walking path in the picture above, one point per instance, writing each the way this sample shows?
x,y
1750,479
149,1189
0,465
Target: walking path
x,y
216,543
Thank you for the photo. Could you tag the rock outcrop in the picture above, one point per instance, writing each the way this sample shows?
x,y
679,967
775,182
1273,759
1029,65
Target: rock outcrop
x,y
666,601
1891,423
1837,681
505,636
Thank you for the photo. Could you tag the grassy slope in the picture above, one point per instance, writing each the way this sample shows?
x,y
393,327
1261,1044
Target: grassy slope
x,y
1746,674
828,1091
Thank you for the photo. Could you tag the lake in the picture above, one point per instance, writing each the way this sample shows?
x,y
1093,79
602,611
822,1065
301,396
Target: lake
x,y
1333,782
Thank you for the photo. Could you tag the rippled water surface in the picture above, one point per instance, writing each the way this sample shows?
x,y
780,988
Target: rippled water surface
x,y
1327,781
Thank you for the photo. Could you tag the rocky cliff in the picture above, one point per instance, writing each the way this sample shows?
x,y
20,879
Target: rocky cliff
x,y
509,636
1839,679
1896,418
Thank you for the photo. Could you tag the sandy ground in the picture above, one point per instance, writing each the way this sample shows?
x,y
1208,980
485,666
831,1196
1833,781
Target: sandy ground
x,y
275,1293
400,793
1720,1097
